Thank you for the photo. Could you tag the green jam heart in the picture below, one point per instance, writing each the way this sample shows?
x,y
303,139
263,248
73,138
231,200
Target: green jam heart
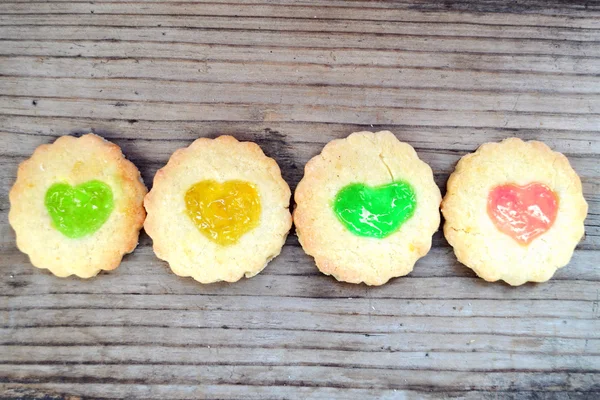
x,y
77,211
375,212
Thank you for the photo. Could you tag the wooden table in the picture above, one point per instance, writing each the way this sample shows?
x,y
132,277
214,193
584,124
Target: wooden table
x,y
444,76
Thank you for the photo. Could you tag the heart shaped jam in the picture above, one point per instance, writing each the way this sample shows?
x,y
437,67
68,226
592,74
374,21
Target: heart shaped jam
x,y
223,212
523,212
78,211
375,212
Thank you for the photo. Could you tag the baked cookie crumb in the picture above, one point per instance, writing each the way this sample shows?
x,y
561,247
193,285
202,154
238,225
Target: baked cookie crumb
x,y
219,210
366,208
76,206
514,211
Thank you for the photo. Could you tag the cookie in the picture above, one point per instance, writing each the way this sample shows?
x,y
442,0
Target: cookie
x,y
219,210
366,208
77,206
514,211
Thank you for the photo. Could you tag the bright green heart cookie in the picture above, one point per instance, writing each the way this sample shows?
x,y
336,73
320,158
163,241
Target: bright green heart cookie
x,y
80,210
375,212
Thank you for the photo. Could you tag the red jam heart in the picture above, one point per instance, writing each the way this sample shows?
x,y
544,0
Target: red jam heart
x,y
522,212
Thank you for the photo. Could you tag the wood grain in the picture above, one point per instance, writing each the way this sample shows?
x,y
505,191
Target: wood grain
x,y
444,76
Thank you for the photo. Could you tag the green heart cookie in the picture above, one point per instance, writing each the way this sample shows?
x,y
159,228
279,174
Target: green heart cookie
x,y
375,212
80,210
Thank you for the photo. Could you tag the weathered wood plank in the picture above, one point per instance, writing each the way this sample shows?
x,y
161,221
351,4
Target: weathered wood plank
x,y
268,338
297,74
306,286
204,356
107,109
371,324
277,139
382,307
126,90
584,18
295,376
300,25
301,40
490,6
342,56
48,391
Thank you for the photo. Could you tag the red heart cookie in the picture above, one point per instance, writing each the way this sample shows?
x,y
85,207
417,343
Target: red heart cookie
x,y
523,212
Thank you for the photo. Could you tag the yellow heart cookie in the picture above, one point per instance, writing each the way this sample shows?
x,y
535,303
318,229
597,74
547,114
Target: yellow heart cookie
x,y
223,212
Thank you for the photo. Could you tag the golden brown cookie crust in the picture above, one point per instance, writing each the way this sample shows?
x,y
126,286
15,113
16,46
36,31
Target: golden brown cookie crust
x,y
75,161
373,159
477,242
180,243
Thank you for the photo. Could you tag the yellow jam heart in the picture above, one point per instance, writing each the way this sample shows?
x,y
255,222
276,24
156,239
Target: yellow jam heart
x,y
223,212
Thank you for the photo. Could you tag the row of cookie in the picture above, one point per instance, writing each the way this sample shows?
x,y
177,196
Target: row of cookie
x,y
366,209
